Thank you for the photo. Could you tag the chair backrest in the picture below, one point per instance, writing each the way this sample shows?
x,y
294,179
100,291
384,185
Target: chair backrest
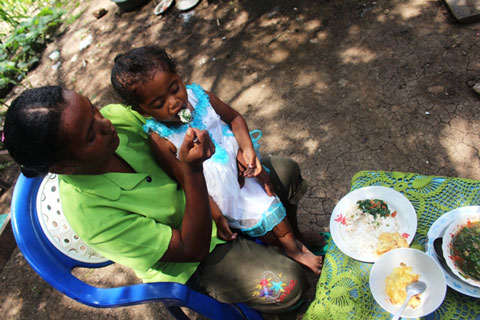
x,y
55,226
54,265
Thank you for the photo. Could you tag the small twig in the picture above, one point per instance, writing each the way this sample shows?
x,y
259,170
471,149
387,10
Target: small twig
x,y
275,38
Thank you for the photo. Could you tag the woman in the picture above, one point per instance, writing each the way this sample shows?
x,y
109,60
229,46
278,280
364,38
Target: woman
x,y
123,205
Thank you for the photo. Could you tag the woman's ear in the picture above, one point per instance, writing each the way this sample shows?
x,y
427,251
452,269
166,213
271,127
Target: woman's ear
x,y
63,167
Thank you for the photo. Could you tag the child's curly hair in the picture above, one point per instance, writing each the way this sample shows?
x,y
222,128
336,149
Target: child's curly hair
x,y
137,66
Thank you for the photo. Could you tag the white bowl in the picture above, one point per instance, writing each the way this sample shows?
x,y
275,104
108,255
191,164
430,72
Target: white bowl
x,y
421,264
447,243
184,5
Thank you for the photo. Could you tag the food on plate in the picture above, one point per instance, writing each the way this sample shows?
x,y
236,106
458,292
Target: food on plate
x,y
362,225
397,282
375,207
390,240
465,250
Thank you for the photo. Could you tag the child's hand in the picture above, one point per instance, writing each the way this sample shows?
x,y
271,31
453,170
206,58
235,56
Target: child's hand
x,y
196,148
254,167
265,180
223,229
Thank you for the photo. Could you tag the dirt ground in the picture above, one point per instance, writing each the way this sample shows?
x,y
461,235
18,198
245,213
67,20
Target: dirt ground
x,y
339,86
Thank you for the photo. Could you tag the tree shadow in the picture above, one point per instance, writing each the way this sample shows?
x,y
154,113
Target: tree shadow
x,y
339,86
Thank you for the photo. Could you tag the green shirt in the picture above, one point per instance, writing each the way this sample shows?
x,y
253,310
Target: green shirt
x,y
128,217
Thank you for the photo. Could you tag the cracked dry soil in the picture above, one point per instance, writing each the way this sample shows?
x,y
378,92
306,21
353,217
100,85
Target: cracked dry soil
x,y
339,86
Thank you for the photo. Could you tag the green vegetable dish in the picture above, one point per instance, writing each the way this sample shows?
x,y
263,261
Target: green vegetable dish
x,y
375,207
465,250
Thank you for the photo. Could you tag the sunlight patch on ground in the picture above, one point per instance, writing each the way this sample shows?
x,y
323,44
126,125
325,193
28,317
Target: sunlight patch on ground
x,y
279,55
321,36
275,143
382,18
354,30
239,21
463,155
410,9
257,95
311,145
11,311
357,55
312,25
274,21
306,79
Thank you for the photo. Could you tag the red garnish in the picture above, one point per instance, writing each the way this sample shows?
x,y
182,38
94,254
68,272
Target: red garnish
x,y
456,258
394,213
405,235
340,218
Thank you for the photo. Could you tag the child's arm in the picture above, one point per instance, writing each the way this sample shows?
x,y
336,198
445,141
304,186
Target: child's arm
x,y
241,132
165,153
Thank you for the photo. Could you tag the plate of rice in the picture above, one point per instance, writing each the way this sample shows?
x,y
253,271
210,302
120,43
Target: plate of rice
x,y
371,221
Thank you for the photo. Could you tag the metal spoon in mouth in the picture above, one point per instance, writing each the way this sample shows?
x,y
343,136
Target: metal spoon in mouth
x,y
187,117
413,288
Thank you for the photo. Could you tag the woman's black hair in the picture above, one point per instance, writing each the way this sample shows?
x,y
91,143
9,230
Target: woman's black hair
x,y
137,66
32,129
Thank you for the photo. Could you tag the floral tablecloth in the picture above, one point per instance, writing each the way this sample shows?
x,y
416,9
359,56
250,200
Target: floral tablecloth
x,y
343,291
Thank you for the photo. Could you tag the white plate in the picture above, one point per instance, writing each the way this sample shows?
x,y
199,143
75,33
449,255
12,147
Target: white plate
x,y
406,217
162,6
183,5
437,230
421,264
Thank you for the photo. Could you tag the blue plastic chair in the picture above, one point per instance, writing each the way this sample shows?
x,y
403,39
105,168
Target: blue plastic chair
x,y
55,268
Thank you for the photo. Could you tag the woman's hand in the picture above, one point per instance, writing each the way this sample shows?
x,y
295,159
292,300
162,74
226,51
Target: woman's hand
x,y
223,229
254,167
196,148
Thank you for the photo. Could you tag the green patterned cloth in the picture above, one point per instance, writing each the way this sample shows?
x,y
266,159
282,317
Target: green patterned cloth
x,y
343,291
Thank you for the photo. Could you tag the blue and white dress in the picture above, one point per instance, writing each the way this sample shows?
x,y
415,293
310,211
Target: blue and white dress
x,y
247,208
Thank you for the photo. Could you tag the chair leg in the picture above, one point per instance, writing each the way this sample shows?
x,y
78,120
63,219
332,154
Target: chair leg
x,y
177,313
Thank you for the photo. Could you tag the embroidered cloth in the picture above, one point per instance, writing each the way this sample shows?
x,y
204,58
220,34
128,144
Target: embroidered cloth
x,y
343,291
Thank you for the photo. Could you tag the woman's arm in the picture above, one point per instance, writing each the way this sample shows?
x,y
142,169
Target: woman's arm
x,y
240,130
192,241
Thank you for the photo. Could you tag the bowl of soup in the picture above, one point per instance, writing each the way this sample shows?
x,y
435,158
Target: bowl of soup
x,y
461,248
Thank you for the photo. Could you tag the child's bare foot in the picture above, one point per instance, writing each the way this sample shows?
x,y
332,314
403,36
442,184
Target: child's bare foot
x,y
308,259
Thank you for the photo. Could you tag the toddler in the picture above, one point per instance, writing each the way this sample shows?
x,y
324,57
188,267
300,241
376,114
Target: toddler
x,y
241,195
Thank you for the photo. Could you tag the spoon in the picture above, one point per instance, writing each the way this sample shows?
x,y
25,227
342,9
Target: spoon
x,y
413,288
187,117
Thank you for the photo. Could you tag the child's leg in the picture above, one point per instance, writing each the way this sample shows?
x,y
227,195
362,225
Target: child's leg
x,y
296,249
290,187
